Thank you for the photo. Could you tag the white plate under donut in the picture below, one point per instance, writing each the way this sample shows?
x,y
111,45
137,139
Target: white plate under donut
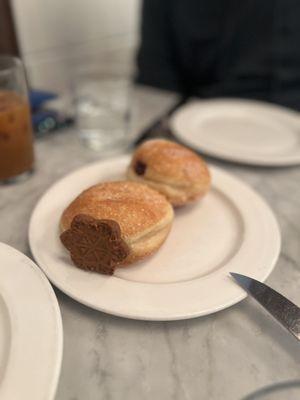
x,y
231,229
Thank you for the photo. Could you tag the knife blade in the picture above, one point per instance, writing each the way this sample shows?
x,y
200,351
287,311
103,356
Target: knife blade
x,y
285,311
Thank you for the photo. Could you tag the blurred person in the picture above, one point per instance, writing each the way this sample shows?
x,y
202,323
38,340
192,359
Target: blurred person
x,y
213,48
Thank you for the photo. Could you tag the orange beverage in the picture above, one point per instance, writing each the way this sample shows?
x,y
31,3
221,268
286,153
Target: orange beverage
x,y
16,141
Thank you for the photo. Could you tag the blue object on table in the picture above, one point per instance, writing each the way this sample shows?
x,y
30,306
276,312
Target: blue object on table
x,y
45,119
38,97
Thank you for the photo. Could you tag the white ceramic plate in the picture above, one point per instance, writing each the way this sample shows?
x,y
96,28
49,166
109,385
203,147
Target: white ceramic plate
x,y
231,229
30,330
250,132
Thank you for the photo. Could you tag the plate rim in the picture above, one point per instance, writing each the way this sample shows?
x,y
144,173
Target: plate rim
x,y
134,314
57,318
287,161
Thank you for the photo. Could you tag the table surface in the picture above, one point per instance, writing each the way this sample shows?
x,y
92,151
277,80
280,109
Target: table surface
x,y
222,356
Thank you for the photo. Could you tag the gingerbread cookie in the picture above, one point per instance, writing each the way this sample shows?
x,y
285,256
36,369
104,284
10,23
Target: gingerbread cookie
x,y
95,245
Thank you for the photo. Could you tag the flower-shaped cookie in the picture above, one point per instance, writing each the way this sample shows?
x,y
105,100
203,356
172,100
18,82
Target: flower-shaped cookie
x,y
95,244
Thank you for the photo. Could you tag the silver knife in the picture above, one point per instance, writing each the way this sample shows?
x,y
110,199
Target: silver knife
x,y
286,312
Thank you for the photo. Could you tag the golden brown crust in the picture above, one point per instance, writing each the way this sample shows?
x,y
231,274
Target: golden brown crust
x,y
172,169
136,207
143,214
147,246
169,160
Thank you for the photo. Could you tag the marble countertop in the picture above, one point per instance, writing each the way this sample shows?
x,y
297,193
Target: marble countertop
x,y
222,356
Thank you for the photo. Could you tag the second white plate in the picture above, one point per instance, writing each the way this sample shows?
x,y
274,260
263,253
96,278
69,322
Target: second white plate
x,y
231,229
30,330
249,132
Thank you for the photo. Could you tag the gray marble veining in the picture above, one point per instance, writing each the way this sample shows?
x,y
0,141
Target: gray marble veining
x,y
220,357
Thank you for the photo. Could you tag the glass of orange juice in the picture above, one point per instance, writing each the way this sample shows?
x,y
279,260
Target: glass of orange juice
x,y
16,138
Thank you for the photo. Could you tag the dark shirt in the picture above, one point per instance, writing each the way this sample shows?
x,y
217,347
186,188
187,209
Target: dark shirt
x,y
209,48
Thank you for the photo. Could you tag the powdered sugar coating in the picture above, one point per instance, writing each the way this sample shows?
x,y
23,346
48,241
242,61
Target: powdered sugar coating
x,y
136,207
169,160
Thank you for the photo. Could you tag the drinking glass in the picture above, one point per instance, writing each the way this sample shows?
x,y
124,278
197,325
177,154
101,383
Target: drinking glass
x,y
102,108
16,139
